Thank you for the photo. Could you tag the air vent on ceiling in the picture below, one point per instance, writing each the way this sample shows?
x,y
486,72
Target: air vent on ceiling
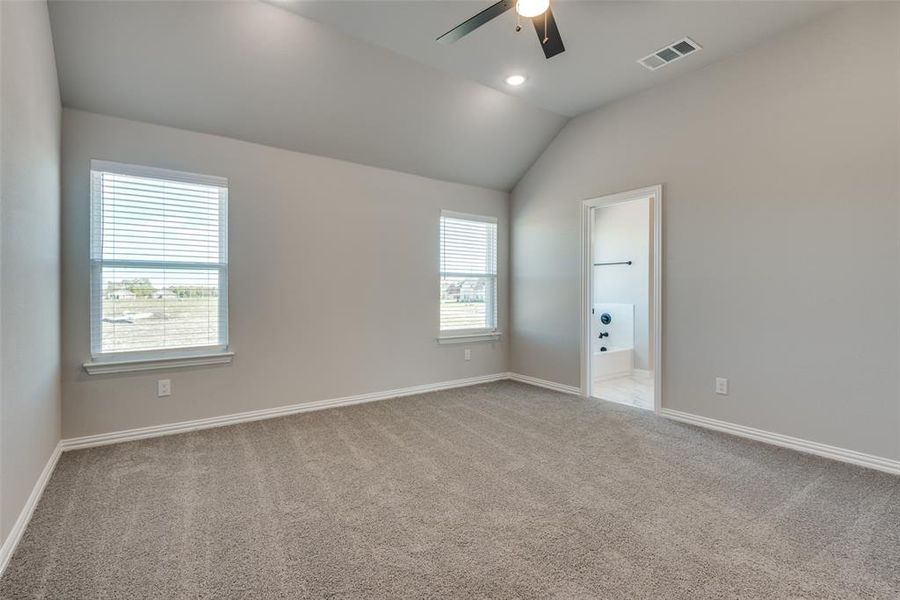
x,y
670,53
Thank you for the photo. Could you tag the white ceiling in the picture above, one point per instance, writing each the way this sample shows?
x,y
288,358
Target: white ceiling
x,y
603,40
367,82
252,71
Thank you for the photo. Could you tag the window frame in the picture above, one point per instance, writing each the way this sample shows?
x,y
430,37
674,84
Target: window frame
x,y
139,360
492,332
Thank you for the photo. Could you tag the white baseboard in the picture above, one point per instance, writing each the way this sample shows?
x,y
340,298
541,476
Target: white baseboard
x,y
841,454
140,433
550,385
18,528
15,535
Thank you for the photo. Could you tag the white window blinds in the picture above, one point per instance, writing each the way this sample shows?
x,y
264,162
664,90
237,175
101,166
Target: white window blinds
x,y
159,261
468,273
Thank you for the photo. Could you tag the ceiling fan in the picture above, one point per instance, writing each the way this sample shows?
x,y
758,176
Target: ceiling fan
x,y
537,10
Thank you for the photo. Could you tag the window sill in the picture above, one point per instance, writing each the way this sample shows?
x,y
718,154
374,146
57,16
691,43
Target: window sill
x,y
491,336
152,364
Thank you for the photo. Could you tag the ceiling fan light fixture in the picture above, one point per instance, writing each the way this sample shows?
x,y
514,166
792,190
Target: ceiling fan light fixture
x,y
532,8
539,11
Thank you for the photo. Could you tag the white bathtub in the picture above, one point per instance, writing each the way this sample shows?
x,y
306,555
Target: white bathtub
x,y
615,362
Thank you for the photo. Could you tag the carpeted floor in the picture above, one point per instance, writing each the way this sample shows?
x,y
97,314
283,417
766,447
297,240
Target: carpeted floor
x,y
501,490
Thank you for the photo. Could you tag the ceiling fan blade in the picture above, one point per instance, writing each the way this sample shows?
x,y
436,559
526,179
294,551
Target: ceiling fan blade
x,y
553,43
467,27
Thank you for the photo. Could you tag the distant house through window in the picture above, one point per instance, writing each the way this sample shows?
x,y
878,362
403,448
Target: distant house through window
x,y
159,262
468,287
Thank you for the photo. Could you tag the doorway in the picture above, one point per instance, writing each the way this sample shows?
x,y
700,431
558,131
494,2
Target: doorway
x,y
621,308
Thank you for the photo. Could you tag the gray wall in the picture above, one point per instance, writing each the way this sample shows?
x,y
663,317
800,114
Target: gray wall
x,y
333,279
780,232
29,253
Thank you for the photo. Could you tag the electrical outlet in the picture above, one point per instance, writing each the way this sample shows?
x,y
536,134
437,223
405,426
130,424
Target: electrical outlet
x,y
468,354
163,387
722,386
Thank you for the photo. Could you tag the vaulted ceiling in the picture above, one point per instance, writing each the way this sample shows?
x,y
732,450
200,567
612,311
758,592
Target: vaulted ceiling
x,y
364,81
603,39
255,72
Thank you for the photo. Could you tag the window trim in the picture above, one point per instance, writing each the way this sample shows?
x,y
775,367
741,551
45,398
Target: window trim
x,y
104,367
487,336
481,334
143,360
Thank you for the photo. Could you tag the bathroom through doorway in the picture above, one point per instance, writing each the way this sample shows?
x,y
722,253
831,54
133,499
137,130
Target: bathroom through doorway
x,y
621,349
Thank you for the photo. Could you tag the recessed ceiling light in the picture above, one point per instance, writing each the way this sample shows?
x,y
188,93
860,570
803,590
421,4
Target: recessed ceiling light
x,y
515,79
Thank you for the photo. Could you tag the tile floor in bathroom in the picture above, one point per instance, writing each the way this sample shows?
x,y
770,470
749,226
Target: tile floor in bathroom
x,y
633,390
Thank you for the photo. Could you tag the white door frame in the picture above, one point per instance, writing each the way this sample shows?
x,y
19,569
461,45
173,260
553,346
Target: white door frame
x,y
587,282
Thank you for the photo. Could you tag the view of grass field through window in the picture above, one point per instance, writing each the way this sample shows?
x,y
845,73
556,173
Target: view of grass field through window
x,y
159,309
158,263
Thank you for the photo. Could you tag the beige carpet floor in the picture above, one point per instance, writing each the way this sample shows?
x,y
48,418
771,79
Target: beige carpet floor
x,y
495,491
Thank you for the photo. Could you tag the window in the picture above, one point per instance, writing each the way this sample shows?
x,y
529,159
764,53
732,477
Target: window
x,y
468,275
159,263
